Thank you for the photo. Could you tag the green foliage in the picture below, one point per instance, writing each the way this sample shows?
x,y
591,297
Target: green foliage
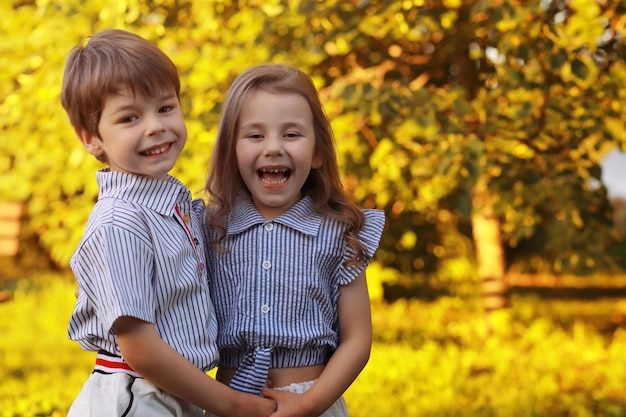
x,y
426,98
428,359
504,90
40,368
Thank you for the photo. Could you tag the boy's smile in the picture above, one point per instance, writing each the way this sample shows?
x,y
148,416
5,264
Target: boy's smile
x,y
139,134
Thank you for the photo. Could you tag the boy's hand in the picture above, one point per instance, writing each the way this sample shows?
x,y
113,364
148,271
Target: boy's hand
x,y
255,406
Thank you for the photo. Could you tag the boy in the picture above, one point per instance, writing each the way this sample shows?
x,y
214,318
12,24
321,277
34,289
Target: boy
x,y
143,300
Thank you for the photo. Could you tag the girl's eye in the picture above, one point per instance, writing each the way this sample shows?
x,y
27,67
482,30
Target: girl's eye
x,y
255,136
292,135
166,109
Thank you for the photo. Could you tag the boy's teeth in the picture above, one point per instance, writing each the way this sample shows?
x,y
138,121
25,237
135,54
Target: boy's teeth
x,y
157,151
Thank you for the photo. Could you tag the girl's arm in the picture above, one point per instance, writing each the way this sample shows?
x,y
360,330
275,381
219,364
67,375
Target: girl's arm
x,y
355,342
160,364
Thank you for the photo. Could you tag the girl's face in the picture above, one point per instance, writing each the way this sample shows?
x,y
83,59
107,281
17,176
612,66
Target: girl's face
x,y
275,149
139,135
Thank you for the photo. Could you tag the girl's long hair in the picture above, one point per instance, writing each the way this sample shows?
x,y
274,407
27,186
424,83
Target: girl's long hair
x,y
323,185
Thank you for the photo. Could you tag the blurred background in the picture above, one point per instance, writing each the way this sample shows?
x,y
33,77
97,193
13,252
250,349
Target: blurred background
x,y
490,132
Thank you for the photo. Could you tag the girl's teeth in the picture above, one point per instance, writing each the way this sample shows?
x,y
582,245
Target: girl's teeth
x,y
273,176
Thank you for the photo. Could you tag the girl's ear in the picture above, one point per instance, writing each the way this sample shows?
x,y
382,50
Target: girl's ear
x,y
316,163
92,143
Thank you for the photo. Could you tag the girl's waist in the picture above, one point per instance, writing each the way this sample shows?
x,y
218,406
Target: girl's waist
x,y
278,377
280,357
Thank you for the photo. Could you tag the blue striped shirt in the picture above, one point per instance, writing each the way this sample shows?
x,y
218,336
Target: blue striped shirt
x,y
142,255
275,287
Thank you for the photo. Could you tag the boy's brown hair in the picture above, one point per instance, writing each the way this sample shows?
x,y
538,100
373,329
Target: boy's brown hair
x,y
111,60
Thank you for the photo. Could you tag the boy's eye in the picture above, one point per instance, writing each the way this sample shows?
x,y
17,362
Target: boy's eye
x,y
128,119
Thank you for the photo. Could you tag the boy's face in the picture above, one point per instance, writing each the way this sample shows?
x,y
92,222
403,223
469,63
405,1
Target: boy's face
x,y
139,134
275,149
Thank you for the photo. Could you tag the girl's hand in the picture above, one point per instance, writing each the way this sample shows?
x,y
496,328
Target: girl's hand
x,y
289,404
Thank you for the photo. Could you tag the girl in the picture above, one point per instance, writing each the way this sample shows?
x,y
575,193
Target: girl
x,y
289,248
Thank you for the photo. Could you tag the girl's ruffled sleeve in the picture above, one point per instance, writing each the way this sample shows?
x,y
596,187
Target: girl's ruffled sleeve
x,y
369,235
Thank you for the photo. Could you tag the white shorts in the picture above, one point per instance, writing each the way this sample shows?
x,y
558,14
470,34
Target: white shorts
x,y
337,409
121,395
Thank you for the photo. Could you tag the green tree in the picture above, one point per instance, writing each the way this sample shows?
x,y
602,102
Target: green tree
x,y
458,117
506,107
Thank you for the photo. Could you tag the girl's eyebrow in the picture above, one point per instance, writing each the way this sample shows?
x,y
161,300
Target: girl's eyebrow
x,y
260,124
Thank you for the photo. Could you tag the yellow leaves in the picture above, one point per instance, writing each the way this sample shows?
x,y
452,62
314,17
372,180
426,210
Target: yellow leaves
x,y
381,153
34,327
272,10
580,23
25,80
387,161
408,239
615,127
523,151
76,157
428,358
394,51
452,4
339,46
448,19
400,23
576,219
387,168
619,25
419,81
506,24
408,4
112,10
494,171
186,57
377,274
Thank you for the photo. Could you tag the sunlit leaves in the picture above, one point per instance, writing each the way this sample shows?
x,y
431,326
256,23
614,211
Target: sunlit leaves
x,y
424,97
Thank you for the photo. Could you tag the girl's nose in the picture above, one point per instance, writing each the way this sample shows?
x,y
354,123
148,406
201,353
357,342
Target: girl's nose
x,y
273,145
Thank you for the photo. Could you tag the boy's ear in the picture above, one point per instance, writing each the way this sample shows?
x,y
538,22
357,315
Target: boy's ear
x,y
91,143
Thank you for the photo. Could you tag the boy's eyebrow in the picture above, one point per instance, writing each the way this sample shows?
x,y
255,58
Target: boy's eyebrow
x,y
167,95
129,102
122,107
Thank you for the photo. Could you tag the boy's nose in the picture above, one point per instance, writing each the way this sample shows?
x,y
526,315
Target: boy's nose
x,y
154,126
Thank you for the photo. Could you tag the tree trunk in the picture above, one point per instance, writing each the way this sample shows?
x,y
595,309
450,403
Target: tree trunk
x,y
489,251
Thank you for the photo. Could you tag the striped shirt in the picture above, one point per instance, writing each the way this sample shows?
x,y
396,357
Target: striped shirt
x,y
142,256
275,286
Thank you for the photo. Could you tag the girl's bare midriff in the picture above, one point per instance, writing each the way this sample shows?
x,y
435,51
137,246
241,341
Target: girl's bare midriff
x,y
278,377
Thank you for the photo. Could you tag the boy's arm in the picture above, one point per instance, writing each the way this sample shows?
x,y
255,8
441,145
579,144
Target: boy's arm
x,y
156,361
355,333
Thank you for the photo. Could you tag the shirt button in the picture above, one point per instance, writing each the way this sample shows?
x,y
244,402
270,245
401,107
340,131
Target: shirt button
x,y
269,226
265,309
186,218
267,265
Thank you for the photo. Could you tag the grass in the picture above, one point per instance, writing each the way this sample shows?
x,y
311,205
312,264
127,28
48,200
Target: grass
x,y
443,358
